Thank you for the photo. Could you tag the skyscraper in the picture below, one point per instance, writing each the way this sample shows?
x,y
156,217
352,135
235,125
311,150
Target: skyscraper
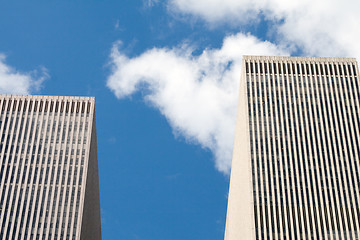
x,y
296,166
49,185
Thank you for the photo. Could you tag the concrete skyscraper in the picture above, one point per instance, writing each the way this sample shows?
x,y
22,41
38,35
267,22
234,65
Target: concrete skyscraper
x,y
49,185
296,166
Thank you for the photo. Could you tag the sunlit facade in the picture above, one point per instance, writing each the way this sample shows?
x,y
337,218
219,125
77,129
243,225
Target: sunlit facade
x,y
49,185
296,166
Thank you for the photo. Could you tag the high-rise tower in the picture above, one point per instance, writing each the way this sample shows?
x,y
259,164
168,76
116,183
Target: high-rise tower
x,y
49,185
296,162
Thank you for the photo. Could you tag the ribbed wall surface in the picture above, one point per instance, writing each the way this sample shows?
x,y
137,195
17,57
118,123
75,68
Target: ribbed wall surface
x,y
304,139
44,148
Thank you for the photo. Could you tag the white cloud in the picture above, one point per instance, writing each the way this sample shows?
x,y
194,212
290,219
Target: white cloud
x,y
197,94
14,82
150,3
117,24
319,28
214,11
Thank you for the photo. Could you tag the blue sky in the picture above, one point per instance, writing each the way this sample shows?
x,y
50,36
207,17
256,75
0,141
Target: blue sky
x,y
165,75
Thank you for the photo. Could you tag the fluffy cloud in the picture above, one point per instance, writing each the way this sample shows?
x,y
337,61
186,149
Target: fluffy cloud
x,y
318,28
15,82
197,94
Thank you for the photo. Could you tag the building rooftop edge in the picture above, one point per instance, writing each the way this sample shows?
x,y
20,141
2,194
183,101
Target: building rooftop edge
x,y
315,59
46,97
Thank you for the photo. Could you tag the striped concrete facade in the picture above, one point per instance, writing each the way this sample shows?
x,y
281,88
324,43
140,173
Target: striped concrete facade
x,y
49,187
296,162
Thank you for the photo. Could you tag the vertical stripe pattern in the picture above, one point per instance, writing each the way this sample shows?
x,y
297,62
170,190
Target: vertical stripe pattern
x,y
303,118
44,151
